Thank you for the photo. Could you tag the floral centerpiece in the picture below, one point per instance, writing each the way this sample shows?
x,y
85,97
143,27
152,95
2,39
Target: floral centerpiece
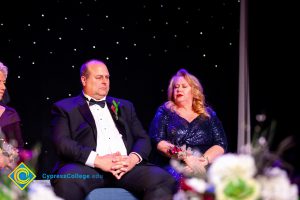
x,y
250,175
9,159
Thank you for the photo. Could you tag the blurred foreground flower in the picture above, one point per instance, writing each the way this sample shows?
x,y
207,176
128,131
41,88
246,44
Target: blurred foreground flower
x,y
254,174
37,191
234,177
8,190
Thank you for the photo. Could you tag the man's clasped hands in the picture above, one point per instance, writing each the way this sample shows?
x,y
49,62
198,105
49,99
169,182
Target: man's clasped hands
x,y
116,163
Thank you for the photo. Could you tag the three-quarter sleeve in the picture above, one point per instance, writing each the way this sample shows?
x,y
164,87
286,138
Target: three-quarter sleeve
x,y
157,130
11,127
217,129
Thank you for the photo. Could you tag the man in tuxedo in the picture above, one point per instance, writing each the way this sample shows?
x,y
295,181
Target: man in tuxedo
x,y
101,136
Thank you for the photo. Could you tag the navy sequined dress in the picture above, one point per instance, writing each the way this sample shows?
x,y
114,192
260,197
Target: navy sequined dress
x,y
199,134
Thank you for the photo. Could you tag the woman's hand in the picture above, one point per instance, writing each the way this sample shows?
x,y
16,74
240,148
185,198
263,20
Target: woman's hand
x,y
195,165
164,146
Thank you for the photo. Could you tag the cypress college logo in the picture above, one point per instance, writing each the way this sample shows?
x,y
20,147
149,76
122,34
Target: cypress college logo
x,y
22,176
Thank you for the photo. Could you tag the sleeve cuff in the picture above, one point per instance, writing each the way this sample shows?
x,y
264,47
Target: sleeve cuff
x,y
91,159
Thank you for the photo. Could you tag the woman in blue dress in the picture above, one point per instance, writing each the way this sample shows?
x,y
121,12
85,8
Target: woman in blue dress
x,y
186,120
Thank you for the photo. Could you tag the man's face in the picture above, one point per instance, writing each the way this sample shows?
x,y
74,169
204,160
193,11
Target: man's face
x,y
96,85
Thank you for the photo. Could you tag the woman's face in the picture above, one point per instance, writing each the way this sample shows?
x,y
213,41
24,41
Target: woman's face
x,y
182,91
2,85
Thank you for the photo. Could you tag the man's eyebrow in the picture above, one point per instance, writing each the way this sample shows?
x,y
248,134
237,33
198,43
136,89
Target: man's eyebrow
x,y
102,75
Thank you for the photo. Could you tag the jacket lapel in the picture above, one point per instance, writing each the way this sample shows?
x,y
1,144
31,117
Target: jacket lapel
x,y
86,113
117,117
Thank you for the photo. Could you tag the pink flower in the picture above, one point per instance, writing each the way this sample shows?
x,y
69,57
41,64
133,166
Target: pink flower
x,y
174,151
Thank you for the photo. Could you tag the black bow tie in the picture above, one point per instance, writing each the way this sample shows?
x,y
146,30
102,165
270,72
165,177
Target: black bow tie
x,y
100,103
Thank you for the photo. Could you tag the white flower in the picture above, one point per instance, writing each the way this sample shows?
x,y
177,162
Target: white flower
x,y
276,186
38,191
231,166
238,189
199,185
180,195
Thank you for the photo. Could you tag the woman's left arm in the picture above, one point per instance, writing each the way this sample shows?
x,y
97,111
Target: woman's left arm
x,y
219,145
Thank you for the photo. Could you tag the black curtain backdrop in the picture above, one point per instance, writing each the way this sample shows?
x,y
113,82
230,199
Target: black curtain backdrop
x,y
143,43
273,44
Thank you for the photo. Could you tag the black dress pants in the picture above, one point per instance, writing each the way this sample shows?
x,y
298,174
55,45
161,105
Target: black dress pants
x,y
146,181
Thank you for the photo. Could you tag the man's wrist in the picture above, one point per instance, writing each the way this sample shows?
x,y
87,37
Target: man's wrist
x,y
135,158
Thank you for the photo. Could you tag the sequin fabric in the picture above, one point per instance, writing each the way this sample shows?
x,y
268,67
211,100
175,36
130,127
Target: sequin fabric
x,y
199,134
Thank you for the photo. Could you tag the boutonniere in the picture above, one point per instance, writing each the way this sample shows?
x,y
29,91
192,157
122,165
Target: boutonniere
x,y
115,108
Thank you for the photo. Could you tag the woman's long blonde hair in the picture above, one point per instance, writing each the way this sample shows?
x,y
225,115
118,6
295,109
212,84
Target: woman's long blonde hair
x,y
198,105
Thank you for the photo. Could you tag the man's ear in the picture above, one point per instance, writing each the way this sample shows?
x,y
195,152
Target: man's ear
x,y
83,80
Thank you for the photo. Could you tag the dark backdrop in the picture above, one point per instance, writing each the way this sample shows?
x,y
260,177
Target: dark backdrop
x,y
144,43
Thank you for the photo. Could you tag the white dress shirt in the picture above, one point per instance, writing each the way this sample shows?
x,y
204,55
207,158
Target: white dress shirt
x,y
109,140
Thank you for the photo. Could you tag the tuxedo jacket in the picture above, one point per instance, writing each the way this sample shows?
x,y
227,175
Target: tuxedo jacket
x,y
75,134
